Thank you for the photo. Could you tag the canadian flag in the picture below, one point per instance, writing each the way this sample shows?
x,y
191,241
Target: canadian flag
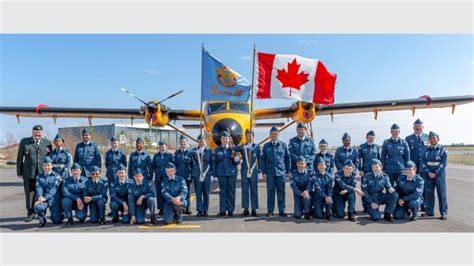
x,y
294,77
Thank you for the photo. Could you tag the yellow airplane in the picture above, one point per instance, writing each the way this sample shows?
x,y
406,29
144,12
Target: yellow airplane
x,y
234,117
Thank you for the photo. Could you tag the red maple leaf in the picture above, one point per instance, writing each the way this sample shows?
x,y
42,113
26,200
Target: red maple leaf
x,y
292,79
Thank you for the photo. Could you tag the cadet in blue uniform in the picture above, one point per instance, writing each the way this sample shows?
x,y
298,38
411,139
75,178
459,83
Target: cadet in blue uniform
x,y
373,186
48,185
302,145
323,188
328,158
73,191
395,154
345,191
140,159
140,198
410,189
300,182
174,191
367,152
201,172
113,159
346,152
249,173
158,164
62,158
433,163
87,154
95,196
183,168
119,195
275,165
225,168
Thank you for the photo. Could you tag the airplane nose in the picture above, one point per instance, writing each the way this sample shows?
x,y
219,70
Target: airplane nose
x,y
227,124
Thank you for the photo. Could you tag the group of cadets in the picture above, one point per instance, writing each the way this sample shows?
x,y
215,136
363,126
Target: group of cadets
x,y
402,174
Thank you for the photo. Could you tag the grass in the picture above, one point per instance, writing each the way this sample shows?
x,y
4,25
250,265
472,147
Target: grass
x,y
467,159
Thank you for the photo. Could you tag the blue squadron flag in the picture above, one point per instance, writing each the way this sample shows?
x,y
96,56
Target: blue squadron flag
x,y
221,83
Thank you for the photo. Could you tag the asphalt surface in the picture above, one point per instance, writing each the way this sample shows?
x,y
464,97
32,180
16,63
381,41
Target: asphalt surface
x,y
460,215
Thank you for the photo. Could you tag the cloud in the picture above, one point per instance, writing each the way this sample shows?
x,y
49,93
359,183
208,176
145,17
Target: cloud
x,y
307,42
246,58
152,71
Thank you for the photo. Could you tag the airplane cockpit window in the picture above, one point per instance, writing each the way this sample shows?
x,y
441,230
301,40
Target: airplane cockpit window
x,y
216,107
240,107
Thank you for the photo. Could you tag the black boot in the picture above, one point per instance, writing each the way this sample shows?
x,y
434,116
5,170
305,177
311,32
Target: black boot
x,y
115,219
205,214
102,221
245,212
352,218
70,222
30,217
283,214
231,214
388,217
254,213
160,212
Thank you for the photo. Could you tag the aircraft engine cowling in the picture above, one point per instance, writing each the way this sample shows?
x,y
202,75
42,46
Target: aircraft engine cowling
x,y
156,114
305,113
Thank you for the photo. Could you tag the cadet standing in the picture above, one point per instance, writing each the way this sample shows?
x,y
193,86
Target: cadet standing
x,y
433,163
225,168
373,186
249,173
174,192
410,189
395,154
95,196
183,168
345,191
87,154
275,165
113,159
119,195
158,164
62,158
367,152
140,198
31,154
48,185
346,152
140,159
73,190
302,145
201,172
328,158
300,182
323,188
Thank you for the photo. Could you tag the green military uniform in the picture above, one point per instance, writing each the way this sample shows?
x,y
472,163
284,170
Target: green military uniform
x,y
29,164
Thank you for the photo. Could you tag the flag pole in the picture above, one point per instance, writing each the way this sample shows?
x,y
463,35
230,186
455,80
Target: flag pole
x,y
202,78
252,89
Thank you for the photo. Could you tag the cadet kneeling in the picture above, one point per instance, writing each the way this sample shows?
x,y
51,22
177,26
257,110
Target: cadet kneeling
x,y
410,191
345,190
73,191
302,186
322,195
95,196
47,194
174,192
119,195
373,185
140,198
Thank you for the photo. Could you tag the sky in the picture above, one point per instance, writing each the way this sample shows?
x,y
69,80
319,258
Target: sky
x,y
74,70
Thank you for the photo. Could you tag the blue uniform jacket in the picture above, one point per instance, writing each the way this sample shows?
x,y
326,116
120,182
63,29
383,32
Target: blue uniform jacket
x,y
373,186
135,191
344,182
173,188
434,160
276,160
394,155
417,147
329,158
224,164
48,186
323,184
206,162
410,190
62,161
366,154
74,190
159,163
112,161
87,155
253,157
140,160
305,148
300,182
343,154
183,163
96,191
119,192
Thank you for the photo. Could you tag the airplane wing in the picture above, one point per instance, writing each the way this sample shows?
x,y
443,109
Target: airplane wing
x,y
113,113
422,102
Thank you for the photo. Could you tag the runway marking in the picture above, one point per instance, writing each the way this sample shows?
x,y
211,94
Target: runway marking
x,y
193,196
171,226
